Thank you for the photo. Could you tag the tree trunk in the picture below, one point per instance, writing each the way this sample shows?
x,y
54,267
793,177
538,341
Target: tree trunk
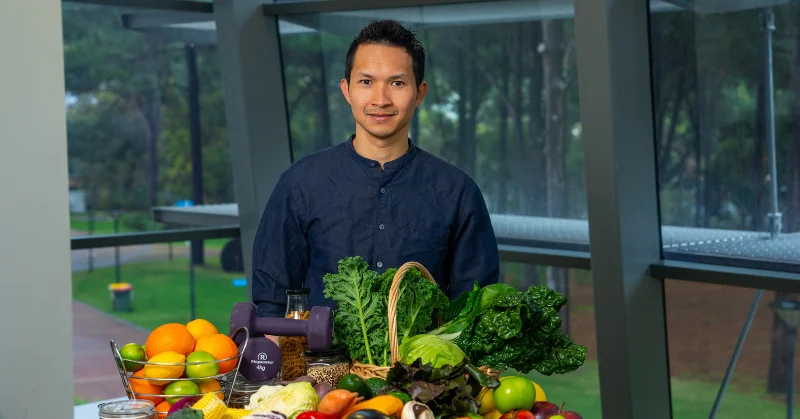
x,y
324,127
555,150
151,109
757,214
531,163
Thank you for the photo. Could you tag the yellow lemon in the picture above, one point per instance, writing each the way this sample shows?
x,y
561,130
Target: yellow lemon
x,y
212,386
165,371
486,400
540,396
494,414
201,328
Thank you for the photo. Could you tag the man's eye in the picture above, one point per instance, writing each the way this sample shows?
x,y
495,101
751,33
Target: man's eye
x,y
398,83
365,81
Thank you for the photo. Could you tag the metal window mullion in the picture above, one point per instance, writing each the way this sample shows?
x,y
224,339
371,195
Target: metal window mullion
x,y
616,113
255,102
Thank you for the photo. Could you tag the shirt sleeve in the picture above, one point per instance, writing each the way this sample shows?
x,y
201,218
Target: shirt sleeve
x,y
280,252
475,257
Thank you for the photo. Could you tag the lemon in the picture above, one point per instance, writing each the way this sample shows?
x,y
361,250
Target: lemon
x,y
540,396
212,386
201,366
178,389
165,371
132,355
201,328
486,400
494,414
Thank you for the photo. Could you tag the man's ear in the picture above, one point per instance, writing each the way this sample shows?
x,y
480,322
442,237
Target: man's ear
x,y
421,91
345,90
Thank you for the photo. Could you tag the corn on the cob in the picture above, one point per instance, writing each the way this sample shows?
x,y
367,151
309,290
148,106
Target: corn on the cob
x,y
236,413
211,406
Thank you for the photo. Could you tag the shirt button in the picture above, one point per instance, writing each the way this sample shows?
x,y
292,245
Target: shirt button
x,y
383,190
380,264
381,226
372,164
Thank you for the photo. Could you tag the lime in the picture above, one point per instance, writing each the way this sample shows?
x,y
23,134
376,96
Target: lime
x,y
132,355
180,388
201,367
405,398
354,383
375,385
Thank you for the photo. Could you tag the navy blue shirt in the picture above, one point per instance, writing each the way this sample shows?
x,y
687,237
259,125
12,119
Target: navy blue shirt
x,y
335,203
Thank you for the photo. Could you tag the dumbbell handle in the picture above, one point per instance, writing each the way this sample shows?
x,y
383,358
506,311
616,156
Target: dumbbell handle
x,y
278,326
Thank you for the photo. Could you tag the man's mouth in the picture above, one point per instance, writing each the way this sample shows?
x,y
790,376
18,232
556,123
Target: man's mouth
x,y
380,116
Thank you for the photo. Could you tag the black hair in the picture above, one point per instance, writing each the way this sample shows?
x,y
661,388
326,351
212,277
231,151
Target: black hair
x,y
392,33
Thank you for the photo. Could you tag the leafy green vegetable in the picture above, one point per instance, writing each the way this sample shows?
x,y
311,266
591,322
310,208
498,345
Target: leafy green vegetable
x,y
448,391
431,350
360,319
505,329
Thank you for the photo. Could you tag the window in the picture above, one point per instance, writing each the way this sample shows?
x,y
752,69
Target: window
x,y
726,114
502,105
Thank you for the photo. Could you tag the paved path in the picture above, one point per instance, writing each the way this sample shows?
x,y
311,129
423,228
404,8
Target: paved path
x,y
95,374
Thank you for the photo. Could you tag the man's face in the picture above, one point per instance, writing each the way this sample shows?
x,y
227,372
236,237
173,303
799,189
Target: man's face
x,y
382,92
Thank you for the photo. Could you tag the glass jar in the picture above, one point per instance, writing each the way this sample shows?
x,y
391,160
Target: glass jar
x,y
128,409
329,366
242,389
293,347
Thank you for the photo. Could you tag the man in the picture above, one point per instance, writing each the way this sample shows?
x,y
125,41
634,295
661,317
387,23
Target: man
x,y
375,195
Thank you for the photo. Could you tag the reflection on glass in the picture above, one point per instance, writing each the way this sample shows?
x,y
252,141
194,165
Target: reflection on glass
x,y
704,322
725,79
502,101
137,106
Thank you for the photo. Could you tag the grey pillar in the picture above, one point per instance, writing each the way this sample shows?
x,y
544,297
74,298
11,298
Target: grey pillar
x,y
36,296
258,127
616,113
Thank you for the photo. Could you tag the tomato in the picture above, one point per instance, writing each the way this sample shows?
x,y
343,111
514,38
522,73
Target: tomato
x,y
514,393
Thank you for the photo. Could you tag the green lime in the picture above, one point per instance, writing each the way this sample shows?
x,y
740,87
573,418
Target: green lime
x,y
405,398
375,385
132,355
201,367
354,383
180,388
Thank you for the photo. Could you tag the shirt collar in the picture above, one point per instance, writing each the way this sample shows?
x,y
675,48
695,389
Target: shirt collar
x,y
392,165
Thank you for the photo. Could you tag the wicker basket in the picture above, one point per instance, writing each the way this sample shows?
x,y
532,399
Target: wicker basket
x,y
366,371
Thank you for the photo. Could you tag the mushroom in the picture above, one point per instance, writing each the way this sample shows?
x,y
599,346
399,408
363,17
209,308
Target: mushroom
x,y
416,410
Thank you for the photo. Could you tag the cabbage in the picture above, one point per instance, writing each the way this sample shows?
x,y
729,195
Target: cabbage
x,y
291,400
432,350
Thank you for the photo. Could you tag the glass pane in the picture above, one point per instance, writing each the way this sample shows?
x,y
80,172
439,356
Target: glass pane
x,y
704,322
579,389
502,104
137,106
129,101
726,115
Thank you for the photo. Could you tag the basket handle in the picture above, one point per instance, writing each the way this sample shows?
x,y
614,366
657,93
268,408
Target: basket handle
x,y
394,296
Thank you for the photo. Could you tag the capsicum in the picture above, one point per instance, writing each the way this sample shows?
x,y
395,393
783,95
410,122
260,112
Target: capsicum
x,y
316,415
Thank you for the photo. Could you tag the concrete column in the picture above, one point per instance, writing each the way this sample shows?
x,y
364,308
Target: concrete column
x,y
35,282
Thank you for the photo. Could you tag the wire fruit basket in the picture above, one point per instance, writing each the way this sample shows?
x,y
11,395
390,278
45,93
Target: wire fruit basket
x,y
225,380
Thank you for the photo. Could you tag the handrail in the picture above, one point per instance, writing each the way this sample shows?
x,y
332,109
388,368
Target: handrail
x,y
152,237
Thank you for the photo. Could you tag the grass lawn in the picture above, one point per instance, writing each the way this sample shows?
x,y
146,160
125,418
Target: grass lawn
x,y
691,399
161,292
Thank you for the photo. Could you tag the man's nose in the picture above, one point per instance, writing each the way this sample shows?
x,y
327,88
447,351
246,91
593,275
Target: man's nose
x,y
380,96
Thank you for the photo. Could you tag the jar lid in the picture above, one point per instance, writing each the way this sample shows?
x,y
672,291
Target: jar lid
x,y
331,352
127,408
298,291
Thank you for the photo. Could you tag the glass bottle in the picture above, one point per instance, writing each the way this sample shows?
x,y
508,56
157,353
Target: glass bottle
x,y
128,409
293,347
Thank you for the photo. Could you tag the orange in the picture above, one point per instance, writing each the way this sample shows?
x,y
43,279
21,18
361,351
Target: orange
x,y
201,328
162,409
145,387
211,386
170,337
221,347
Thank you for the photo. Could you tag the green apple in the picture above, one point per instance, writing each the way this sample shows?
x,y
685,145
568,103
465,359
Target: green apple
x,y
514,393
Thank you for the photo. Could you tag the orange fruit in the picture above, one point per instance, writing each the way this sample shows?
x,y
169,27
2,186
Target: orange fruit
x,y
212,386
139,385
172,337
162,409
201,328
221,347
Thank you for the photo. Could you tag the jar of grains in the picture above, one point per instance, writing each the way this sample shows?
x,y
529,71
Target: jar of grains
x,y
328,366
293,347
127,409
